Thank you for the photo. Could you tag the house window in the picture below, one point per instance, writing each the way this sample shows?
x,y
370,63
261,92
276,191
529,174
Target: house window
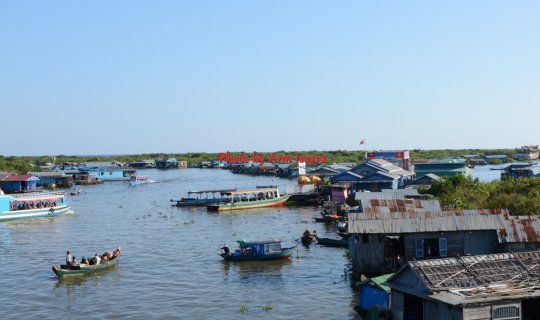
x,y
419,248
365,238
508,312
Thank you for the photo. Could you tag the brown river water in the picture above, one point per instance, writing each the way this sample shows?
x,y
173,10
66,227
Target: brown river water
x,y
170,267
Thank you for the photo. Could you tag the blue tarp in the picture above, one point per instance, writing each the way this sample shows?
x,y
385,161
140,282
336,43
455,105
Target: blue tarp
x,y
370,296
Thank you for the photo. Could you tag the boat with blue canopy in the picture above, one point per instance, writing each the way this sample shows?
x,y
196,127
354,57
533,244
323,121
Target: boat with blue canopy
x,y
138,180
258,250
32,205
202,197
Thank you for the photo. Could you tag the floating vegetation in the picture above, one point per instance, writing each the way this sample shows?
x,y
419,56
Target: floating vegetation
x,y
267,307
192,221
120,207
243,308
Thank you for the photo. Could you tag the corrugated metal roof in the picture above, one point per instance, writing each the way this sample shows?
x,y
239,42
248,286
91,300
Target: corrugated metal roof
x,y
479,271
508,228
20,178
386,194
399,205
49,174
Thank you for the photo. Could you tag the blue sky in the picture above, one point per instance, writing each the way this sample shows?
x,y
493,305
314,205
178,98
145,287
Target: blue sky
x,y
123,77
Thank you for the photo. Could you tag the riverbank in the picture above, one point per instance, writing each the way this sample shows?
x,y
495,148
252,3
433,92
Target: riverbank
x,y
23,164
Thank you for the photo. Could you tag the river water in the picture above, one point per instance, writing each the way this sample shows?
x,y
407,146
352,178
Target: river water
x,y
170,267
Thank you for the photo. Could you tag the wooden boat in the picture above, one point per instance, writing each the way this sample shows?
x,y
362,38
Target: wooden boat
x,y
202,198
76,192
332,242
32,205
86,269
249,199
260,250
330,218
138,180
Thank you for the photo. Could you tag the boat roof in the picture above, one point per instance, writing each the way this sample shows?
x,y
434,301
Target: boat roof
x,y
251,191
37,195
245,242
212,191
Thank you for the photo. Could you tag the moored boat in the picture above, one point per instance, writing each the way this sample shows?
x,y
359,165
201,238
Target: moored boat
x,y
258,250
202,198
249,199
81,269
32,205
332,242
138,180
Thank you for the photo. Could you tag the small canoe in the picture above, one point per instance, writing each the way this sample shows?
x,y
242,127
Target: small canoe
x,y
330,218
332,242
86,269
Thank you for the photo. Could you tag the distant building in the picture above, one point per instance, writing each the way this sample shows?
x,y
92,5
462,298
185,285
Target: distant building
x,y
52,179
496,158
527,153
494,286
374,175
442,167
107,173
19,183
373,293
400,158
143,164
517,170
166,163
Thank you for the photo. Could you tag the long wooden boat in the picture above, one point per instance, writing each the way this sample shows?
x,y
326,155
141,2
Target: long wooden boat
x,y
202,198
32,205
332,242
259,250
249,199
86,269
330,218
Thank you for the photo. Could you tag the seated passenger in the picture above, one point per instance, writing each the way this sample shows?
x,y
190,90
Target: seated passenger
x,y
98,259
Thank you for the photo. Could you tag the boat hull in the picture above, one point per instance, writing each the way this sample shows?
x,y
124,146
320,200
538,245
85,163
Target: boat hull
x,y
63,273
34,213
137,183
284,254
277,202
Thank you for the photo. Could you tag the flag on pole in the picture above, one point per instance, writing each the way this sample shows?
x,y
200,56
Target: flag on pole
x,y
362,141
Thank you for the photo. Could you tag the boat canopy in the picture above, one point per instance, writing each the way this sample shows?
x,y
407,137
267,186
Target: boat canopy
x,y
256,191
212,191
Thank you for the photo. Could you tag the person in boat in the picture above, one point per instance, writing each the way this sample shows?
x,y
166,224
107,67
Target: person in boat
x,y
69,259
226,250
84,261
98,259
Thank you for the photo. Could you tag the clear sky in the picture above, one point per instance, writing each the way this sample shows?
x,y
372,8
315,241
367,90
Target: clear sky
x,y
123,77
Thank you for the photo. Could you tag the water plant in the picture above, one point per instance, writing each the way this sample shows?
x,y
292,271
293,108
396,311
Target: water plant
x,y
267,307
243,308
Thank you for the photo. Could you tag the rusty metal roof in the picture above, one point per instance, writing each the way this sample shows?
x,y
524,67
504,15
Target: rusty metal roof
x,y
480,270
399,205
508,228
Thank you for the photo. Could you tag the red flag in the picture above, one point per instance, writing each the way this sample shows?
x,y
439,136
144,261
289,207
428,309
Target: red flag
x,y
362,141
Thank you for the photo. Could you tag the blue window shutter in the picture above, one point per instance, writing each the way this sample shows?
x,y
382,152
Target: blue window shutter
x,y
419,248
443,247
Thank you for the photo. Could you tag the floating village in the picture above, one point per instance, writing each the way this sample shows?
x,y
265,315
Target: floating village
x,y
409,256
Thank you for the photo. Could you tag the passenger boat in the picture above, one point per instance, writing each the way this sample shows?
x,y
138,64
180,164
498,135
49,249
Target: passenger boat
x,y
86,268
260,250
249,199
138,180
330,218
202,197
32,205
